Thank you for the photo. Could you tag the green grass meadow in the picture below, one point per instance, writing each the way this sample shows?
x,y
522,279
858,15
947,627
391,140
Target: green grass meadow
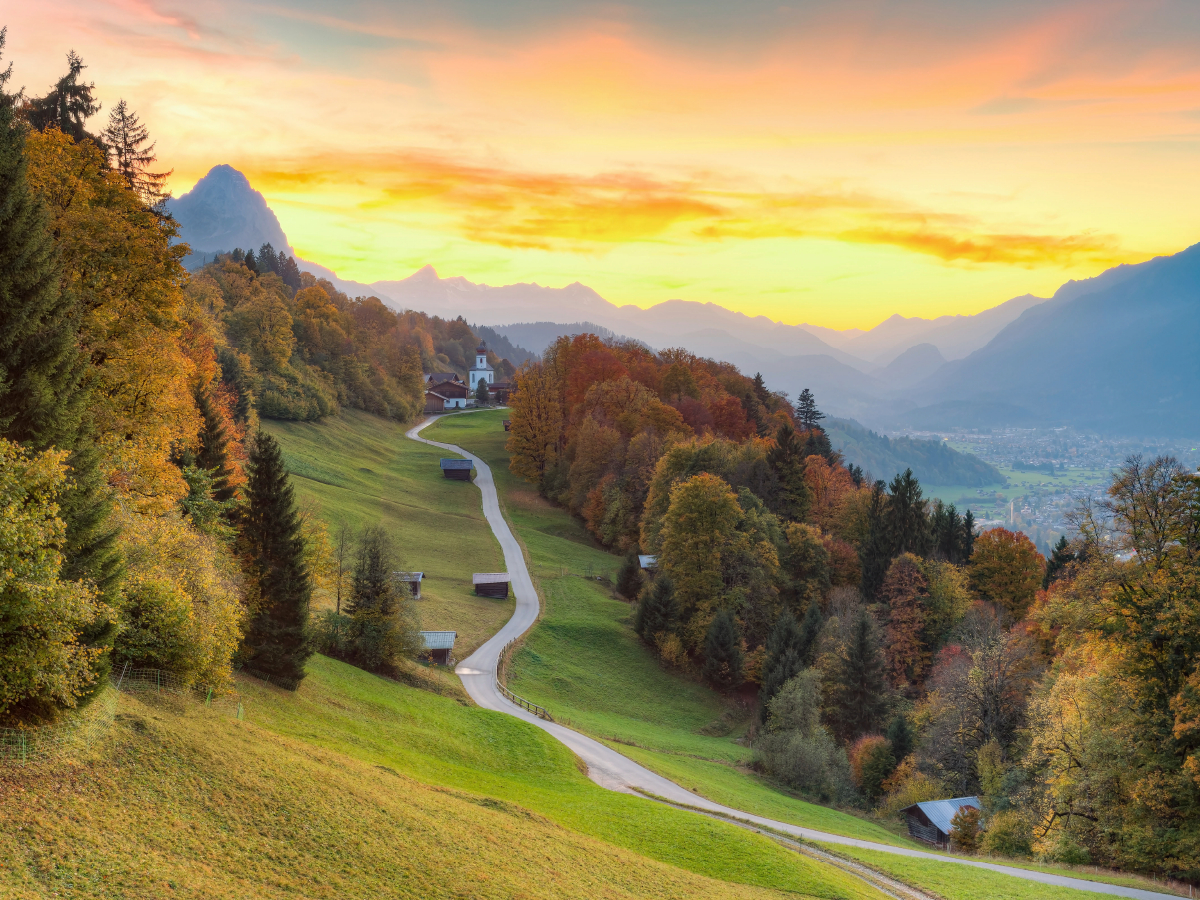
x,y
584,662
362,470
356,788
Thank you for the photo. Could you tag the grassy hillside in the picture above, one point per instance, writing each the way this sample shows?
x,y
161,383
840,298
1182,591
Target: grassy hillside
x,y
361,469
584,662
356,787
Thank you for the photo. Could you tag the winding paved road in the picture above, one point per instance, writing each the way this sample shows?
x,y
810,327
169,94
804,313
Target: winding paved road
x,y
610,769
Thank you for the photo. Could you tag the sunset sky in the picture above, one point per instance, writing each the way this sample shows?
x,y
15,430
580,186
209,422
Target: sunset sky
x,y
830,163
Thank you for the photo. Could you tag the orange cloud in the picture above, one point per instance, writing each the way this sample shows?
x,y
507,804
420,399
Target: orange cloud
x,y
510,207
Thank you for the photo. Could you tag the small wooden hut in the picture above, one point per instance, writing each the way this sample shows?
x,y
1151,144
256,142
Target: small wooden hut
x,y
508,424
491,584
458,469
412,580
930,821
649,563
438,646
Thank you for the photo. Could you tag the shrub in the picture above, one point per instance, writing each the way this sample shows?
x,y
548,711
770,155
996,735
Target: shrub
x,y
871,762
1064,848
797,750
964,830
1008,834
181,607
907,786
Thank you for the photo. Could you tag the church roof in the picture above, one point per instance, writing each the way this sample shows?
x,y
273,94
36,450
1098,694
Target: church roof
x,y
482,348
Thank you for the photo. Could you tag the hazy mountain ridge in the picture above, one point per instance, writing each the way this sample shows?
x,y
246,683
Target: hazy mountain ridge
x,y
1114,352
933,462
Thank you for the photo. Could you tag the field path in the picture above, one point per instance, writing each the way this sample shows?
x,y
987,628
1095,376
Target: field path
x,y
610,769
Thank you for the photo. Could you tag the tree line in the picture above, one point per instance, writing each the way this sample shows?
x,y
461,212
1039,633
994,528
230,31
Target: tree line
x,y
148,519
896,654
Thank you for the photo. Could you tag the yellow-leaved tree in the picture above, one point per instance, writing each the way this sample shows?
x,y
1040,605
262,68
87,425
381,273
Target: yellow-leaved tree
x,y
43,665
117,259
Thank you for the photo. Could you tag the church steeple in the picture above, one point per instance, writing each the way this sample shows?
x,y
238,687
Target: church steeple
x,y
481,370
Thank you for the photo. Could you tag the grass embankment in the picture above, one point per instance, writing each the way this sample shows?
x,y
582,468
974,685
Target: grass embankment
x,y
357,787
954,881
361,469
584,662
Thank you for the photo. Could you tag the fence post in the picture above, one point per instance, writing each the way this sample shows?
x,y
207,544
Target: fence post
x,y
122,678
208,699
239,712
23,747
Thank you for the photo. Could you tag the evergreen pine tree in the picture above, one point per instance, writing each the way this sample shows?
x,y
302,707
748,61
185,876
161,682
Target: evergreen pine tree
x,y
235,372
1058,560
966,544
810,630
250,262
859,690
126,138
481,391
723,651
629,579
907,518
760,389
277,642
900,736
875,552
69,104
806,411
945,526
214,447
657,611
786,460
41,369
373,588
782,661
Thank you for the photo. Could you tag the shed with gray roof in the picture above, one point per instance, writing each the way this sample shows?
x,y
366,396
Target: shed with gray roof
x,y
932,820
439,646
458,469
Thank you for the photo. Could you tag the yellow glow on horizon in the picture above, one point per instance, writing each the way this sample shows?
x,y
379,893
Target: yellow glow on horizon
x,y
826,169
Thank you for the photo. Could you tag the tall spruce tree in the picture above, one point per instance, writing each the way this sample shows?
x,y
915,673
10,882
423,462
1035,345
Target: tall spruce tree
x,y
786,460
783,661
69,104
214,447
966,544
629,579
277,643
875,552
723,660
658,610
859,691
810,630
806,411
1059,557
126,138
907,515
900,736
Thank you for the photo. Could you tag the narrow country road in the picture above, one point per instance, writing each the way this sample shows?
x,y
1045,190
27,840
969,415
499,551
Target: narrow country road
x,y
610,769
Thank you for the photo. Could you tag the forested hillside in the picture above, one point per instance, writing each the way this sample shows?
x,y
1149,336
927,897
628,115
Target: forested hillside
x,y
932,462
897,656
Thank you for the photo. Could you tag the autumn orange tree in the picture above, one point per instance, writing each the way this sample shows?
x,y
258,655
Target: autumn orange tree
x,y
1006,569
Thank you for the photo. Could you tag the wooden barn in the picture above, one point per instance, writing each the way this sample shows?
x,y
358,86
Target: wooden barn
x,y
458,469
930,821
649,563
508,424
438,646
491,584
412,580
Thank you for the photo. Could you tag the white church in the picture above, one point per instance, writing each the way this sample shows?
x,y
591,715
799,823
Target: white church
x,y
481,371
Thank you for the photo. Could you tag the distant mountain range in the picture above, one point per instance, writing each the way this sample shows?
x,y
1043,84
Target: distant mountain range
x,y
1115,353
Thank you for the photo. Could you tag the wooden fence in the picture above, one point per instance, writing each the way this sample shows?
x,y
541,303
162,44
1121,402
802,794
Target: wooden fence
x,y
540,711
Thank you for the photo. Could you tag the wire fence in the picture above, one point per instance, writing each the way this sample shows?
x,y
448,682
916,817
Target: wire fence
x,y
83,728
501,675
45,742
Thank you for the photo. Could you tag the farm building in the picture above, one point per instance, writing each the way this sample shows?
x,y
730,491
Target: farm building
x,y
412,580
647,562
491,584
444,390
439,646
931,821
458,469
508,424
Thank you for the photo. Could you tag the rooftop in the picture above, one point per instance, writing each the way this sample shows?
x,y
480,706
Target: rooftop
x,y
489,578
438,640
940,812
456,464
